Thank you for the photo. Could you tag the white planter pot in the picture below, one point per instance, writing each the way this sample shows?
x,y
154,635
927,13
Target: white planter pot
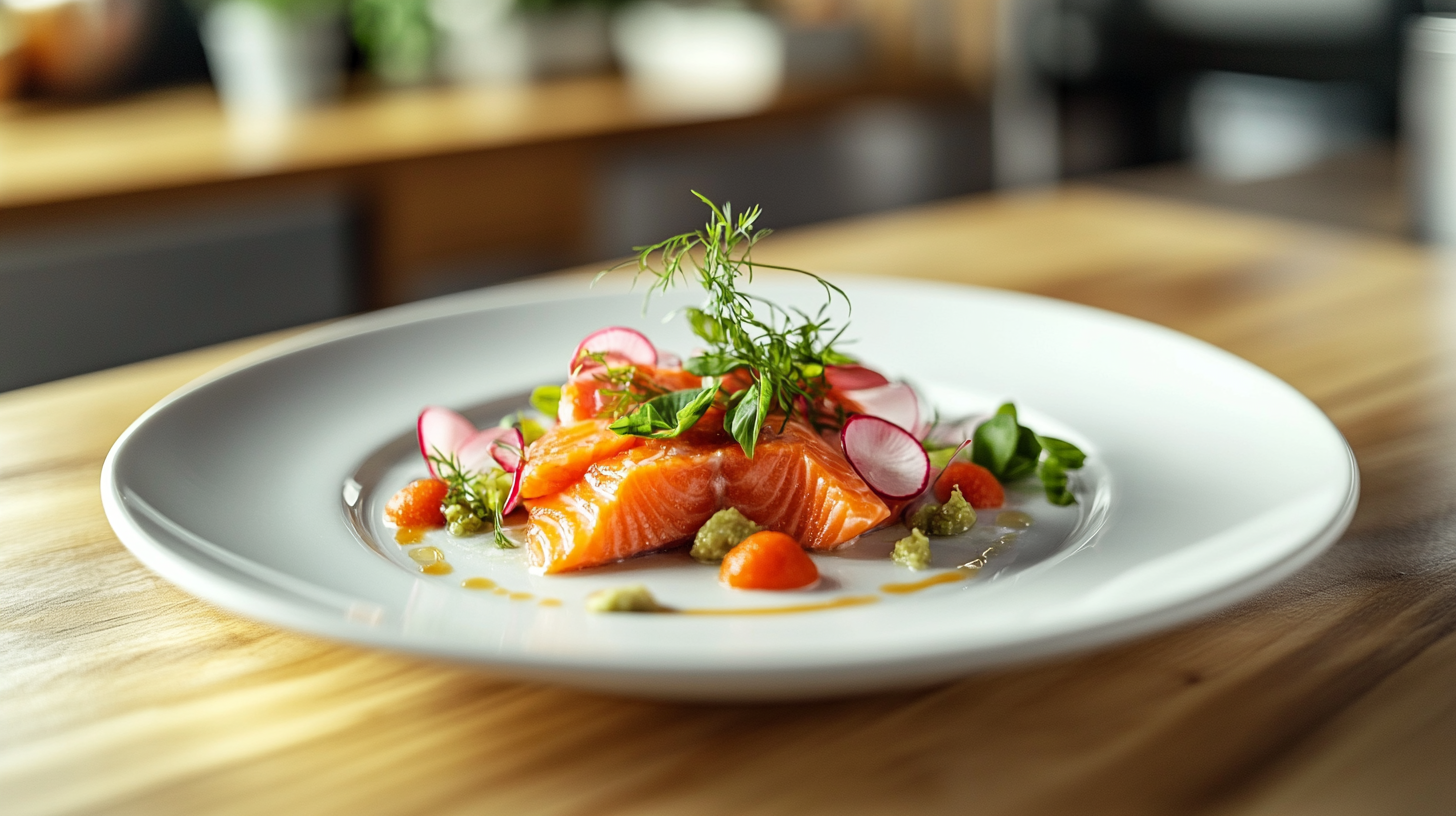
x,y
489,41
264,62
700,59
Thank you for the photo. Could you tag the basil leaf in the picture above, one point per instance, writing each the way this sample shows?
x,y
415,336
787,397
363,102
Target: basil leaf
x,y
712,365
1023,461
706,326
1054,479
1012,451
1068,455
547,399
745,420
994,443
667,416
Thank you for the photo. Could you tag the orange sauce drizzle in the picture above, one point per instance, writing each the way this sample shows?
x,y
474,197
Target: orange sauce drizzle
x,y
948,577
837,603
497,589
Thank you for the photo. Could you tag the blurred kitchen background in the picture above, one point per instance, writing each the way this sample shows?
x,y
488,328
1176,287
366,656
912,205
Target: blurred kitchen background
x,y
175,173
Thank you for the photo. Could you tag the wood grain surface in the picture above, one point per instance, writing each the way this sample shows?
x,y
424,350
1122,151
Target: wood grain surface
x,y
1333,693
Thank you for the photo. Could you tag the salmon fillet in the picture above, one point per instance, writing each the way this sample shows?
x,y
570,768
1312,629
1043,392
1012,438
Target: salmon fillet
x,y
797,483
660,492
561,456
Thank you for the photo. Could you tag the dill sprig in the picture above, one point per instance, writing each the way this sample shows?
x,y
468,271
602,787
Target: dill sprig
x,y
482,494
783,351
622,390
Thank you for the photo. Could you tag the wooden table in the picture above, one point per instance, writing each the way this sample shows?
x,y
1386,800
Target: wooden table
x,y
1334,693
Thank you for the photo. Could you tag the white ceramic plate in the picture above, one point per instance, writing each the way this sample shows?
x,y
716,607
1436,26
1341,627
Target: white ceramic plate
x,y
258,488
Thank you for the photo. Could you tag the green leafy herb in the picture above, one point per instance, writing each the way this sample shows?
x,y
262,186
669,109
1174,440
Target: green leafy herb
x,y
1068,454
1012,451
481,494
547,399
784,351
745,419
668,415
1002,446
1060,457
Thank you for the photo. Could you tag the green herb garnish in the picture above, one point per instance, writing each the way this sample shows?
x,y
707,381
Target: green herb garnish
x,y
547,400
666,416
1012,451
782,352
481,494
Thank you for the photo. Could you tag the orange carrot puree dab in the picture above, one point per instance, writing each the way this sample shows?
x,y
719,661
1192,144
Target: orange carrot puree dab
x,y
768,560
977,485
417,504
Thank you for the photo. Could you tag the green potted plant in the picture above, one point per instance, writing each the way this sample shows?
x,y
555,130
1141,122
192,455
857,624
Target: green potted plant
x,y
397,37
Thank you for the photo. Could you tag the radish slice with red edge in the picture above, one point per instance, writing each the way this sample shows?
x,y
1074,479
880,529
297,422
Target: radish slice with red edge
x,y
477,454
618,343
509,449
441,432
666,359
514,497
886,456
896,402
854,377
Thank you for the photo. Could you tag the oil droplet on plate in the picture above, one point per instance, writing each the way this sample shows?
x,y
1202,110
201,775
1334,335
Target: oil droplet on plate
x,y
426,555
478,583
1015,519
431,561
549,602
410,535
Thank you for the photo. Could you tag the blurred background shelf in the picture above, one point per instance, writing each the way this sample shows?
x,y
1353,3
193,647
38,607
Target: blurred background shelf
x,y
142,212
394,195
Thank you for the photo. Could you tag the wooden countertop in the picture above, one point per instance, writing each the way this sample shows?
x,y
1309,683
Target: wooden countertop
x,y
1333,693
180,137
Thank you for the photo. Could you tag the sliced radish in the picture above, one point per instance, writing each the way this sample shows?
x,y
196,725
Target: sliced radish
x,y
509,449
618,343
896,402
477,454
886,456
854,377
514,497
441,432
666,359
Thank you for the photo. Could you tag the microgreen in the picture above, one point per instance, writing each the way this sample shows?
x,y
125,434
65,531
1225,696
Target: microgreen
x,y
547,399
782,352
1012,451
